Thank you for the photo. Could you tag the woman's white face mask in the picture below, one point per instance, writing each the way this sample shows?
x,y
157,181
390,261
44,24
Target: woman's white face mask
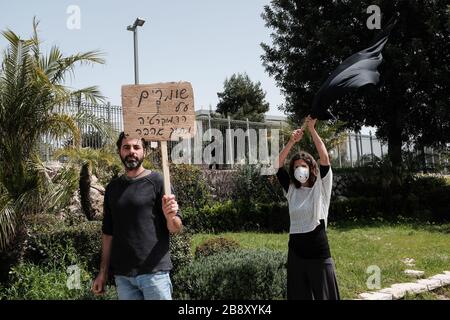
x,y
301,174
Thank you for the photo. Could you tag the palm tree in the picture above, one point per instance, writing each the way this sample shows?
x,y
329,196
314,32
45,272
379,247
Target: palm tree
x,y
31,89
104,163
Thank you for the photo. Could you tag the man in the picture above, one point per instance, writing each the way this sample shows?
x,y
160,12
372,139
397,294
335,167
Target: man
x,y
137,220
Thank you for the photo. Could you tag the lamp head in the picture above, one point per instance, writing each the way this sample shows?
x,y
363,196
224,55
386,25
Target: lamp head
x,y
137,23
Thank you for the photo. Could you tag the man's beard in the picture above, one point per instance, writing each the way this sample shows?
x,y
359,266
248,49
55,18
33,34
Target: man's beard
x,y
132,163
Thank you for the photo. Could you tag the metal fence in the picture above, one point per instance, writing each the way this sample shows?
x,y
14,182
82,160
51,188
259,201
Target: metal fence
x,y
89,136
242,141
357,150
361,150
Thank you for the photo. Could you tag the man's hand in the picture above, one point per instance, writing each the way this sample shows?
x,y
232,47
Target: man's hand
x,y
170,209
297,135
98,286
170,206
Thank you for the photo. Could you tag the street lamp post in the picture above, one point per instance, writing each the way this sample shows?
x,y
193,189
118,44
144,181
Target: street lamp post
x,y
137,23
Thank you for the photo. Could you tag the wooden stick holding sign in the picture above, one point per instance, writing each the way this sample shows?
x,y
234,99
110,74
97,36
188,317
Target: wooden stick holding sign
x,y
159,112
165,166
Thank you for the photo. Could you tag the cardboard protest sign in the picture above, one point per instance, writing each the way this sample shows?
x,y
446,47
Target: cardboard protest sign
x,y
159,112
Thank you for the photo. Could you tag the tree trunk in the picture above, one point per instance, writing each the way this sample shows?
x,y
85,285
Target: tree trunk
x,y
424,160
85,188
395,148
13,177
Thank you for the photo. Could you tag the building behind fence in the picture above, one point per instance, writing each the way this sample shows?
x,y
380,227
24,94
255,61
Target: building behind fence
x,y
356,150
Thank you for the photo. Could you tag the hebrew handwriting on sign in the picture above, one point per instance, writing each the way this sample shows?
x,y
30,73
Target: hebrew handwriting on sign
x,y
161,111
174,94
157,119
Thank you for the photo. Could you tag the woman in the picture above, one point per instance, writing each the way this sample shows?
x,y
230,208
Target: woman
x,y
310,271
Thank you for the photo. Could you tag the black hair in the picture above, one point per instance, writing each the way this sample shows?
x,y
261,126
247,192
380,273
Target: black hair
x,y
312,164
122,136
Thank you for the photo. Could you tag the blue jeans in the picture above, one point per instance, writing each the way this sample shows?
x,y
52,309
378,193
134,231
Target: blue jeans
x,y
151,286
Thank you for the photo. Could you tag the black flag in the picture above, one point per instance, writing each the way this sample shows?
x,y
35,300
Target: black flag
x,y
356,71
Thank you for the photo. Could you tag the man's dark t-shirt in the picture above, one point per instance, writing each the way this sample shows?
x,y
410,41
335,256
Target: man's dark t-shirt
x,y
133,216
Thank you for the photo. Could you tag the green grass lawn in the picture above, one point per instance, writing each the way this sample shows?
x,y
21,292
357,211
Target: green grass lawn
x,y
355,248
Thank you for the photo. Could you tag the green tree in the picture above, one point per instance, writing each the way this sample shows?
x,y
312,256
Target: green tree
x,y
31,90
241,99
410,104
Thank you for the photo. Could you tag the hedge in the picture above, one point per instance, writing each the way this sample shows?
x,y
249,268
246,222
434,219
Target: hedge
x,y
238,216
216,245
241,274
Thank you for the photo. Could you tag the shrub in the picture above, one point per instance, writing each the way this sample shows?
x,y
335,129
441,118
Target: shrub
x,y
421,184
274,217
238,216
227,216
423,198
180,249
35,282
190,186
211,218
64,245
253,187
390,208
354,208
438,200
216,245
220,183
277,215
241,274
